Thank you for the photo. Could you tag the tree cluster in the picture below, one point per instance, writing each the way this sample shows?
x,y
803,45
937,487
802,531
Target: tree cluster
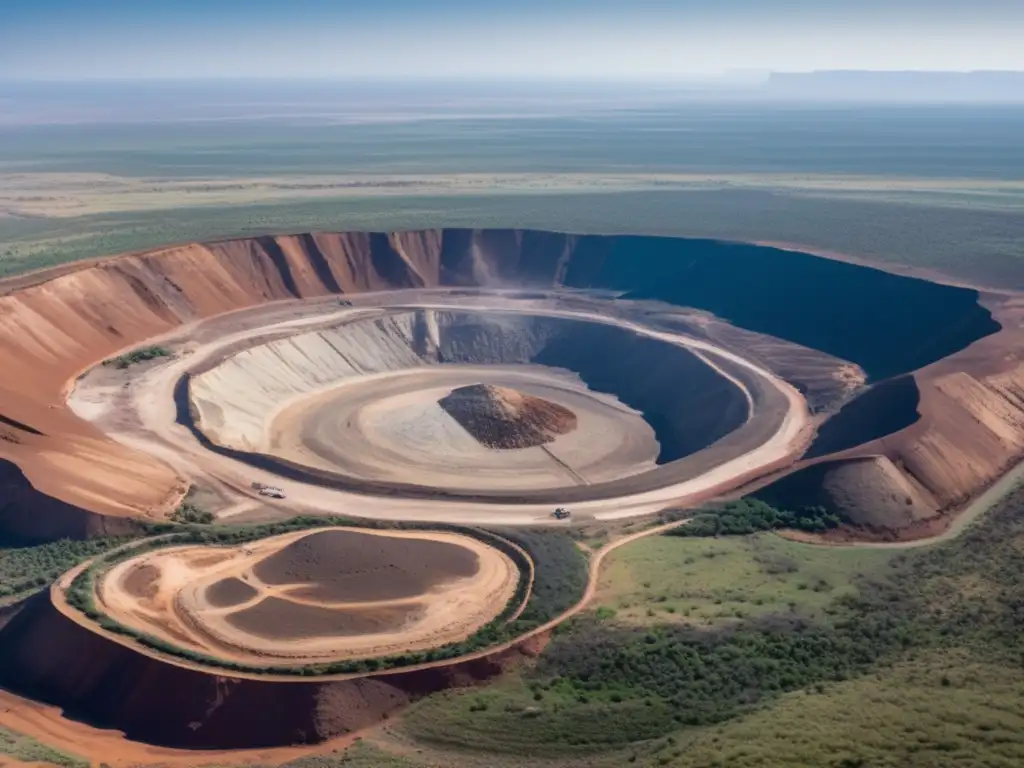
x,y
749,515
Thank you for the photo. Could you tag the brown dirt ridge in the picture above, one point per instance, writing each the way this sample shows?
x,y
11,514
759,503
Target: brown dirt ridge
x,y
57,325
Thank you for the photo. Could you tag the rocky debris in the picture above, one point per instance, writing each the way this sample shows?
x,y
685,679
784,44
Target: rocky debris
x,y
504,419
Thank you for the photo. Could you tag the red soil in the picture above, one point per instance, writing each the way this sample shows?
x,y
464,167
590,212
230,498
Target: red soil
x,y
60,476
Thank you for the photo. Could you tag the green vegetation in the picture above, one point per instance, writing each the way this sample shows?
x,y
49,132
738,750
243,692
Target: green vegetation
x,y
919,660
542,602
599,686
26,569
140,355
972,244
745,516
560,578
710,582
189,513
939,709
360,755
28,750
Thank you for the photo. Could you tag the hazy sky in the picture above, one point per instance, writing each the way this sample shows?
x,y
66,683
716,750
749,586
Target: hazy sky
x,y
73,39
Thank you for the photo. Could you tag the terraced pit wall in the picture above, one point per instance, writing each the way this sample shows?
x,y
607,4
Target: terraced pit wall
x,y
57,324
685,401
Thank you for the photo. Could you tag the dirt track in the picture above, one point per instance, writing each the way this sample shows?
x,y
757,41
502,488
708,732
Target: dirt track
x,y
63,321
141,415
88,455
442,588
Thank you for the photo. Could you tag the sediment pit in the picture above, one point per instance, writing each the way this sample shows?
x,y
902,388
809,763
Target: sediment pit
x,y
311,597
420,399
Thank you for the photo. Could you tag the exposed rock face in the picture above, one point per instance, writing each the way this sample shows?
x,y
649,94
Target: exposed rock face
x,y
870,492
55,324
49,657
502,418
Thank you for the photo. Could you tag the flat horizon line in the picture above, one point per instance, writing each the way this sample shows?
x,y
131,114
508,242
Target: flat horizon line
x,y
691,77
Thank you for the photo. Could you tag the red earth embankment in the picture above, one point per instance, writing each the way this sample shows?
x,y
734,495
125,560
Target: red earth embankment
x,y
55,325
55,329
969,430
48,657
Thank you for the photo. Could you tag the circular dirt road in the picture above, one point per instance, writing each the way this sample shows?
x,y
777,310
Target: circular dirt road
x,y
309,597
140,410
390,427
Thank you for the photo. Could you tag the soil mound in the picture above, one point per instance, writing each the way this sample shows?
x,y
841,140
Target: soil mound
x,y
30,516
869,492
504,419
347,566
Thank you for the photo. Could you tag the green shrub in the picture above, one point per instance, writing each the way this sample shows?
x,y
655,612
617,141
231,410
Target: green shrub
x,y
191,514
28,568
136,356
746,516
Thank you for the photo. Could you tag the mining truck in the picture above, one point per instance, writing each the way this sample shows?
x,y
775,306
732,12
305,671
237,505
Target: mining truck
x,y
268,490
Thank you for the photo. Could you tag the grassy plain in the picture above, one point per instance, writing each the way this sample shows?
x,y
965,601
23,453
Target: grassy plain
x,y
941,708
909,658
708,582
27,750
973,244
940,188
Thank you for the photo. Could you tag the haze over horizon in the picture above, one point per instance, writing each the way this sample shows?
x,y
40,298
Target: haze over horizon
x,y
459,39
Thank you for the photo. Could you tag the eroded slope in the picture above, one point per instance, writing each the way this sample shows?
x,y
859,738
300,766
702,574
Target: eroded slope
x,y
55,326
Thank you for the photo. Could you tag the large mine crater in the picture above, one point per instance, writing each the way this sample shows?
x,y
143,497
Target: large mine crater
x,y
481,402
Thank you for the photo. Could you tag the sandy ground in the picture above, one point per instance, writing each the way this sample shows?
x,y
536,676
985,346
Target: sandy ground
x,y
390,427
177,610
139,411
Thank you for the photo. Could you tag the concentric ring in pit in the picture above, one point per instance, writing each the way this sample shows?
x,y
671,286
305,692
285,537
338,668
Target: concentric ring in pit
x,y
356,405
391,428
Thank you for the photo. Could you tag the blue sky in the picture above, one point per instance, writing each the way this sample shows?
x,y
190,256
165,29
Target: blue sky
x,y
602,39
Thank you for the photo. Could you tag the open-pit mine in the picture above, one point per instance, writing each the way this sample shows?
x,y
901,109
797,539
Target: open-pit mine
x,y
444,387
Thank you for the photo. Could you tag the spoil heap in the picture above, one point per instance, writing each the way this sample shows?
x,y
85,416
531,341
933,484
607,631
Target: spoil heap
x,y
502,418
